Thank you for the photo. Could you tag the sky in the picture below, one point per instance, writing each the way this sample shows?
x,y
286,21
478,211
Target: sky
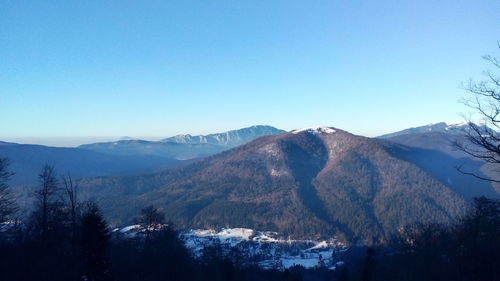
x,y
76,71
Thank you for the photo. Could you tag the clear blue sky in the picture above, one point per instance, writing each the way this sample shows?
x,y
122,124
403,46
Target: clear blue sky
x,y
159,68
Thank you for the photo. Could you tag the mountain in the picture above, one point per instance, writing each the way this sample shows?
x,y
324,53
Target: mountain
x,y
432,149
179,151
442,127
126,156
230,138
183,147
27,161
310,182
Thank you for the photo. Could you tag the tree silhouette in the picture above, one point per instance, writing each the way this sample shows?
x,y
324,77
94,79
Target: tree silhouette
x,y
71,190
95,237
150,220
46,196
483,138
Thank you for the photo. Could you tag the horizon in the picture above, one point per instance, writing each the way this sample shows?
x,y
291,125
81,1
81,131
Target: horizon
x,y
158,69
75,141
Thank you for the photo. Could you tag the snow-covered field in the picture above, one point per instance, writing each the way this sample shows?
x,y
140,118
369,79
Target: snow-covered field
x,y
265,248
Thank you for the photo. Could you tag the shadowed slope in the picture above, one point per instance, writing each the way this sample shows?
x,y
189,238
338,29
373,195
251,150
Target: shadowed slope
x,y
313,182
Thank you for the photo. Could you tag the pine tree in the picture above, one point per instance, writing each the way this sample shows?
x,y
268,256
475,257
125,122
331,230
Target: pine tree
x,y
150,219
95,237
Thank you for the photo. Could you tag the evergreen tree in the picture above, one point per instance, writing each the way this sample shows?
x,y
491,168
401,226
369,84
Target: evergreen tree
x,y
95,237
150,220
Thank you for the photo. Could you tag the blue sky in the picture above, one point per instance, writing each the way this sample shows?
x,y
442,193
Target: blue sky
x,y
73,69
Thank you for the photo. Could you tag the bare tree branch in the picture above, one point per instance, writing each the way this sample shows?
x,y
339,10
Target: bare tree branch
x,y
459,168
484,139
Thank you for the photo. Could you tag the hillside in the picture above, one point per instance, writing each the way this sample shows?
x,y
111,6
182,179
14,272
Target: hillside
x,y
311,182
435,153
179,151
27,160
441,127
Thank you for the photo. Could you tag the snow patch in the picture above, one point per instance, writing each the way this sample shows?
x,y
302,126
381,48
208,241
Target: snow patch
x,y
262,248
320,245
130,228
457,124
242,233
315,130
265,248
275,172
307,263
271,149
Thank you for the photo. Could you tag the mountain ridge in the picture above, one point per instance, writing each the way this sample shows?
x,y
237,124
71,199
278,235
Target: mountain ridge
x,y
316,181
229,138
184,147
442,127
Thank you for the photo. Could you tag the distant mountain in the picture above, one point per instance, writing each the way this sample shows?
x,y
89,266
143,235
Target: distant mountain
x,y
229,139
27,161
432,148
179,151
442,127
183,147
309,182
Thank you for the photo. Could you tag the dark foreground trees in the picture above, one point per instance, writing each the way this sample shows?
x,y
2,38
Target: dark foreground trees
x,y
95,239
39,251
468,250
150,220
43,248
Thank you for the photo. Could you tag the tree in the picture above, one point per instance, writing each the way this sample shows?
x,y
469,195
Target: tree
x,y
483,138
46,197
367,268
150,219
8,205
478,240
71,190
95,242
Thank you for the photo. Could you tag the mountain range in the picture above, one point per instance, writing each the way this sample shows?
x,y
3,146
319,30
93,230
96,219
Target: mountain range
x,y
184,147
311,182
127,156
433,148
227,139
441,127
27,161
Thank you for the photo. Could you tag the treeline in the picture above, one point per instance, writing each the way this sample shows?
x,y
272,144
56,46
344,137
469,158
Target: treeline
x,y
65,239
467,250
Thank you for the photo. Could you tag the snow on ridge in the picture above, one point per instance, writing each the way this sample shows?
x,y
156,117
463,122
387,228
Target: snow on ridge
x,y
315,130
457,124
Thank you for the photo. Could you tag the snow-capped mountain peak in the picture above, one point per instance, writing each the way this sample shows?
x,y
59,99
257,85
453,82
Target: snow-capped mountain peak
x,y
315,130
227,139
441,127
